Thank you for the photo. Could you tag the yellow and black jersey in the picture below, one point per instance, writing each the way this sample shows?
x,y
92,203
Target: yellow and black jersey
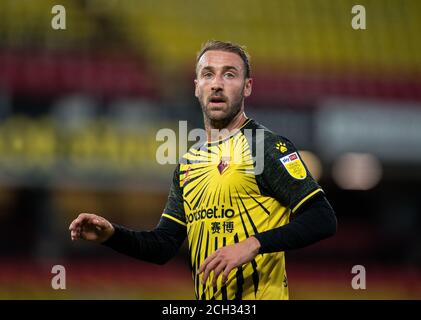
x,y
226,191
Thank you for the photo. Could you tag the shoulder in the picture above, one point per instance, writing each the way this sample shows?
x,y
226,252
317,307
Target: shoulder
x,y
271,140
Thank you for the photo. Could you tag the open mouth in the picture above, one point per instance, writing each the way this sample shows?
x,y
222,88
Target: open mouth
x,y
217,101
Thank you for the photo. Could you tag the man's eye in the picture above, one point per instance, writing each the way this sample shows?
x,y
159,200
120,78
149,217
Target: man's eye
x,y
229,75
207,75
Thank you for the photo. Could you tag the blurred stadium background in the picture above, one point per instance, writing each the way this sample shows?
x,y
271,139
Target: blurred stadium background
x,y
80,108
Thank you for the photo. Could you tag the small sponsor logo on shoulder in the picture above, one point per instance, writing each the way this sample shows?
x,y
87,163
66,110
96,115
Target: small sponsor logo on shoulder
x,y
294,166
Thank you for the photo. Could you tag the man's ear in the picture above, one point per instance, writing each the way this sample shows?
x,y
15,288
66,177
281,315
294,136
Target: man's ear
x,y
195,88
247,87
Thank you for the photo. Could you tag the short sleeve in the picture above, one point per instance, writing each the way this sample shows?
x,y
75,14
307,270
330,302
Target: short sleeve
x,y
285,175
174,209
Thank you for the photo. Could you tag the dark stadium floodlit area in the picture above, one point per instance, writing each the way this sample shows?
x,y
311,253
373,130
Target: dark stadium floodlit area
x,y
80,109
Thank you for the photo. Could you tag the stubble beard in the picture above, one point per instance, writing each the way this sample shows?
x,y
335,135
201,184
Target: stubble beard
x,y
221,123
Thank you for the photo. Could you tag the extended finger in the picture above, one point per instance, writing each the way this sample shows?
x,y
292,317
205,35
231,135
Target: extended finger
x,y
211,265
74,224
206,261
227,271
102,223
216,273
74,235
78,221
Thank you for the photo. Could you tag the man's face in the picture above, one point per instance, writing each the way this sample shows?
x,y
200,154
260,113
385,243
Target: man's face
x,y
221,85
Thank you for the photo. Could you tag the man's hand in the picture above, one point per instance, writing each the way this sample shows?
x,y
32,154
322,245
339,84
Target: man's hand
x,y
227,258
91,227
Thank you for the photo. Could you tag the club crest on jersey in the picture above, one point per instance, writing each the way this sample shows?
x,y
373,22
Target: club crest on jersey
x,y
294,166
223,165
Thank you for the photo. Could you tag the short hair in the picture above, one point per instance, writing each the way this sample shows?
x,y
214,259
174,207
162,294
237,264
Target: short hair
x,y
217,45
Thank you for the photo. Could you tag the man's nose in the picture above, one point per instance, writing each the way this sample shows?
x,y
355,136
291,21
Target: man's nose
x,y
217,84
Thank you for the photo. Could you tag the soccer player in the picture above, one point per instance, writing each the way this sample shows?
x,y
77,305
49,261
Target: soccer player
x,y
235,215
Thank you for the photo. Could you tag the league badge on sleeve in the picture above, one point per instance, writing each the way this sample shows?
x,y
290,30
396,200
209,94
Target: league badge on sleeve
x,y
294,166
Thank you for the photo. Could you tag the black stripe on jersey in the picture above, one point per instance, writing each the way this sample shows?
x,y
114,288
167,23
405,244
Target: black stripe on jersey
x,y
209,196
190,244
215,288
197,188
192,169
242,220
224,287
186,202
240,277
193,179
190,252
216,248
204,148
200,250
249,177
203,188
214,195
230,196
247,154
236,141
205,256
248,214
219,195
255,274
196,260
194,161
248,172
261,205
255,277
188,192
196,287
207,246
208,199
193,154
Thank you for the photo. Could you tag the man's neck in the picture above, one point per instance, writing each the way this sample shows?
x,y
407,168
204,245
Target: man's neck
x,y
215,134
